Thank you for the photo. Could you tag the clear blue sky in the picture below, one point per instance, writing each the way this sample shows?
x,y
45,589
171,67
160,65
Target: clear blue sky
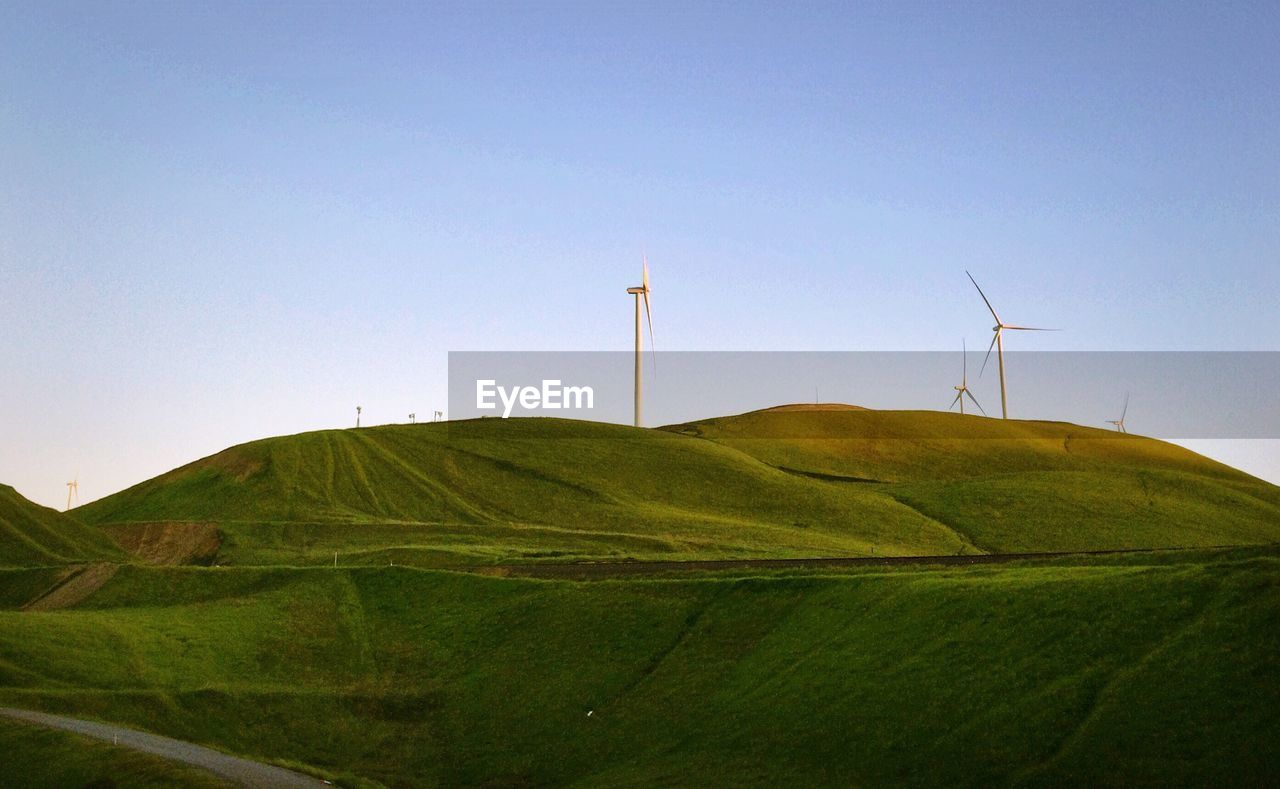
x,y
223,221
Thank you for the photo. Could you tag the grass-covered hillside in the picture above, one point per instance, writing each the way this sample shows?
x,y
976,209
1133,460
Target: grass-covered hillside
x,y
503,489
779,483
1010,485
40,758
932,446
32,536
1154,670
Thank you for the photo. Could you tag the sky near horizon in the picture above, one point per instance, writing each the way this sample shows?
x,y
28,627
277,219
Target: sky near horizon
x,y
222,221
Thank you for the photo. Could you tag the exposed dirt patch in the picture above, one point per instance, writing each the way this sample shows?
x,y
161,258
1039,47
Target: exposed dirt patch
x,y
75,586
168,543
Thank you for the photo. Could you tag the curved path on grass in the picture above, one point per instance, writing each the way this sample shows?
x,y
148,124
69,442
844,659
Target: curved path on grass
x,y
232,768
616,569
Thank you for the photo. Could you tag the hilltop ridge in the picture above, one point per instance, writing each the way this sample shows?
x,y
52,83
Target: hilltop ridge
x,y
773,483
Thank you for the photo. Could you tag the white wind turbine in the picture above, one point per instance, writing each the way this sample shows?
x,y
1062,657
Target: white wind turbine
x,y
642,292
1119,423
963,388
998,343
73,490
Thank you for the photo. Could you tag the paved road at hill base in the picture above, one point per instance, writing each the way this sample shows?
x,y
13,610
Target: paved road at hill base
x,y
232,768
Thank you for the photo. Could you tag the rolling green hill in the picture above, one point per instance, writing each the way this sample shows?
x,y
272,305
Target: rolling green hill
x,y
895,483
1014,486
32,536
933,446
1153,670
508,489
780,483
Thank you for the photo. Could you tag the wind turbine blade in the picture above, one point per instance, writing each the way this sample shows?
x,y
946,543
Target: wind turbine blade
x,y
1028,328
964,378
995,336
984,297
953,402
1126,407
975,402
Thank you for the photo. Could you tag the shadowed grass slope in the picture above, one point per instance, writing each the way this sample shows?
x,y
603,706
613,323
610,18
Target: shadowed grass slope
x,y
32,536
1157,670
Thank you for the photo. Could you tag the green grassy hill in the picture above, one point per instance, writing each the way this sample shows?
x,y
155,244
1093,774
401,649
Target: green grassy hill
x,y
509,489
32,536
1155,670
932,446
780,483
1013,486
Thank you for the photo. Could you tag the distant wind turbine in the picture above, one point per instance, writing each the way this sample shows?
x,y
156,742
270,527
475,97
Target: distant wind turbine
x,y
963,389
998,343
358,410
1119,423
73,490
437,416
639,292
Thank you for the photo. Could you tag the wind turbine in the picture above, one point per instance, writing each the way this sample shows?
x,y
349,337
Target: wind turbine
x,y
413,418
73,489
1119,423
963,388
358,410
437,416
998,343
638,292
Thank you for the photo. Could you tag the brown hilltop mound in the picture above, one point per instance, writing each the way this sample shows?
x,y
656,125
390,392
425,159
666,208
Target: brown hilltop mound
x,y
813,407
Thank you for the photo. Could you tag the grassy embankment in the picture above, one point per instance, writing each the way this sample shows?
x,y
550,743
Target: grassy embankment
x,y
1155,669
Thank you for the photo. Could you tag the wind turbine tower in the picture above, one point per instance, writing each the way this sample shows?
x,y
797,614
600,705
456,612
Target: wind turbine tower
x,y
73,491
998,343
437,416
358,410
642,292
